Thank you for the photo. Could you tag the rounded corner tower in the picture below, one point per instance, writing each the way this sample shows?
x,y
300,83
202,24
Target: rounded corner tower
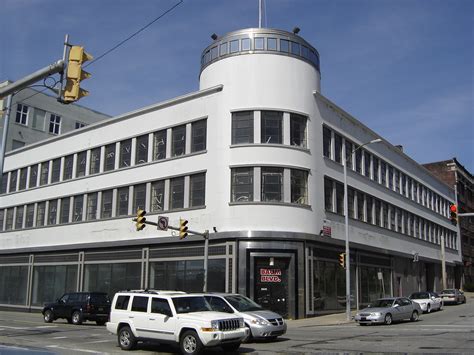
x,y
261,56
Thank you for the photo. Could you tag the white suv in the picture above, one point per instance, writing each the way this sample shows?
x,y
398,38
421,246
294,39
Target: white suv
x,y
173,317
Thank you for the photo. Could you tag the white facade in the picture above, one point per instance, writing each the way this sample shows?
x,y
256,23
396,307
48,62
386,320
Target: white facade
x,y
254,79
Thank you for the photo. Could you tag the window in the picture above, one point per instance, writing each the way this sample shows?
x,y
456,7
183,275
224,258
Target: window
x,y
95,161
125,153
339,198
2,219
159,305
91,206
20,210
272,127
177,193
295,48
213,53
399,219
139,197
383,173
284,45
64,213
404,184
223,49
390,177
297,130
33,176
23,175
139,304
197,190
385,215
367,164
328,194
198,136
54,124
178,141
258,43
21,114
234,46
157,196
375,169
358,161
9,219
4,182
40,214
242,127
106,208
271,44
68,163
81,164
78,125
299,186
348,146
141,154
30,214
122,201
53,212
13,180
16,144
159,145
38,119
78,208
44,173
350,202
396,178
327,142
305,52
242,184
56,170
378,211
370,214
122,302
109,157
246,44
337,148
272,184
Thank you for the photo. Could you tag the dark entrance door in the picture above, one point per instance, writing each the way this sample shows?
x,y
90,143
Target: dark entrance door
x,y
271,283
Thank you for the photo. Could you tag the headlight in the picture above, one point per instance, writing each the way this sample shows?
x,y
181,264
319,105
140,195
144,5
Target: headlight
x,y
423,304
214,327
241,323
259,321
375,314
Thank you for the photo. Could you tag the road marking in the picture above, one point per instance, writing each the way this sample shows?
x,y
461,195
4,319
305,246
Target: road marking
x,y
59,338
81,350
46,326
16,328
101,341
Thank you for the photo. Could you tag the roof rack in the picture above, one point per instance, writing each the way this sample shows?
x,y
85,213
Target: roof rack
x,y
155,292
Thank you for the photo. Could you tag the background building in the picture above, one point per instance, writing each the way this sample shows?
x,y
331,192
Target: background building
x,y
256,156
453,173
36,116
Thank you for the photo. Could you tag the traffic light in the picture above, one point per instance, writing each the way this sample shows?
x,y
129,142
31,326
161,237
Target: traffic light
x,y
75,74
183,229
342,260
140,220
453,212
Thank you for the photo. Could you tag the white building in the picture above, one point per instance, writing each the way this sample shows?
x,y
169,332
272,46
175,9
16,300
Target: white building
x,y
256,153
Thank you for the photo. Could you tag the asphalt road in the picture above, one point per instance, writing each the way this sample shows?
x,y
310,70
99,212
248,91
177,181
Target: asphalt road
x,y
449,331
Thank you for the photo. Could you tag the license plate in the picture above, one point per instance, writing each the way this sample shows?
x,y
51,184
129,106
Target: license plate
x,y
363,318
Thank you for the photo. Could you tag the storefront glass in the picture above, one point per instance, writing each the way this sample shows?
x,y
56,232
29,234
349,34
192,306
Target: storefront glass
x,y
51,282
374,283
111,278
13,281
187,275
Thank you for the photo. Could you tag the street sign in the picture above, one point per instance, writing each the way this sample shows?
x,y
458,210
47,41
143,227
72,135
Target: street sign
x,y
163,223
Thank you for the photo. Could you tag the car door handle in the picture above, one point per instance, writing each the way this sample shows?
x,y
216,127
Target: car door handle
x,y
131,317
151,318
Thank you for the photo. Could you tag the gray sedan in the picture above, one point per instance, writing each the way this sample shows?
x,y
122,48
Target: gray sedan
x,y
387,310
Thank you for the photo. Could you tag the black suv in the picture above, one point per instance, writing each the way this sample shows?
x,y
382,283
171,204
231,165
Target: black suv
x,y
77,307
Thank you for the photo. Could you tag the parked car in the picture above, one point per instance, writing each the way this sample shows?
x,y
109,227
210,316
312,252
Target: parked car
x,y
387,310
453,295
262,323
77,307
176,318
428,301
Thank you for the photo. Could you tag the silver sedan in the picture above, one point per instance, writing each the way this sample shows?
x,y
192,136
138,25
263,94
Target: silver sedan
x,y
387,310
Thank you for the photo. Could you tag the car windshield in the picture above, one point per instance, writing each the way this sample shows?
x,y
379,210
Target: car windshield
x,y
191,304
448,291
99,298
419,296
383,303
242,303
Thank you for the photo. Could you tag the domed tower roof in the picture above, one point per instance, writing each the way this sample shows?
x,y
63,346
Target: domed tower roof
x,y
259,41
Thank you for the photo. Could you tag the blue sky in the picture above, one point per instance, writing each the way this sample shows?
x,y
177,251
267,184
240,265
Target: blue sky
x,y
402,67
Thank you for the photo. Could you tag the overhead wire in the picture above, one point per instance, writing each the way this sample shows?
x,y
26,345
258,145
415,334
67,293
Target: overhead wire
x,y
121,42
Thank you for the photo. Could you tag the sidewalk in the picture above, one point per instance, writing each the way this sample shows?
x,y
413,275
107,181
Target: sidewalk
x,y
329,319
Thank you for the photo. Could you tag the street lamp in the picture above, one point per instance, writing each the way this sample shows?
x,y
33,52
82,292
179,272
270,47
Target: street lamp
x,y
346,222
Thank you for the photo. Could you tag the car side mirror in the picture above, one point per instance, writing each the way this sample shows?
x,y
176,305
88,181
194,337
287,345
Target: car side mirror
x,y
396,305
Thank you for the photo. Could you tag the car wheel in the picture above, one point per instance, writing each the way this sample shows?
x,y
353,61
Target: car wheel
x,y
428,308
77,318
100,322
230,347
126,339
388,319
414,316
48,316
190,343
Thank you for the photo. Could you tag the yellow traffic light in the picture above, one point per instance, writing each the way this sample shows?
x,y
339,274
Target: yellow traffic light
x,y
140,220
183,229
453,214
342,260
75,74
